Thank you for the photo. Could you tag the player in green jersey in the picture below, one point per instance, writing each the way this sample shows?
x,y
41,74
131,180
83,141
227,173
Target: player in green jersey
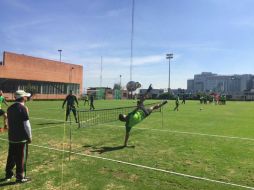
x,y
2,112
137,115
177,103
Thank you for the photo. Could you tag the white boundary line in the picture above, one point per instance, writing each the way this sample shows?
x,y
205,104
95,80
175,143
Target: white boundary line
x,y
90,119
144,167
52,126
188,133
2,133
169,131
39,118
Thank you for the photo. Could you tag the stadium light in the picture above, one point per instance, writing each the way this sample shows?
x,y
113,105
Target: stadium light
x,y
101,74
169,56
132,37
120,81
70,77
60,54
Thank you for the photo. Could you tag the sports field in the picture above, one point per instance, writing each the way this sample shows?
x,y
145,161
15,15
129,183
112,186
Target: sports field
x,y
199,147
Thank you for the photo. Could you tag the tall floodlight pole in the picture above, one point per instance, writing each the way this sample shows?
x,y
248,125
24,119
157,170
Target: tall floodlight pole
x,y
60,54
132,33
101,74
120,81
70,75
169,56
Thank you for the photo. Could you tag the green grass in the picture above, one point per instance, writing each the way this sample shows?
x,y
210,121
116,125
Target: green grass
x,y
154,142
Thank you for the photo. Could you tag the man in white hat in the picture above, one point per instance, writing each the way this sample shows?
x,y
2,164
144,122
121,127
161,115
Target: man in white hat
x,y
19,135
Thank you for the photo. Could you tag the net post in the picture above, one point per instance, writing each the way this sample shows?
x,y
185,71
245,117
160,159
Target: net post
x,y
70,133
78,112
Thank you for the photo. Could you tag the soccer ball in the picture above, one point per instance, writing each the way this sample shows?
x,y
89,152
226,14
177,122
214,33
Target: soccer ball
x,y
132,86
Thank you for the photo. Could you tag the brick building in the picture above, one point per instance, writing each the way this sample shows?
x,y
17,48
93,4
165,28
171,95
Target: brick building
x,y
46,79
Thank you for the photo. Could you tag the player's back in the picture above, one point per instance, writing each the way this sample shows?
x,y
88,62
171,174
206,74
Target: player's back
x,y
71,100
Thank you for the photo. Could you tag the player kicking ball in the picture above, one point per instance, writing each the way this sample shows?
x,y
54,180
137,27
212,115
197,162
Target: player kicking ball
x,y
137,115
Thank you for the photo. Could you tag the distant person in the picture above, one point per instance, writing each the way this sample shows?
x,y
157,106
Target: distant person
x,y
2,112
86,100
71,99
201,99
223,99
217,99
184,98
210,99
91,102
176,103
19,136
205,99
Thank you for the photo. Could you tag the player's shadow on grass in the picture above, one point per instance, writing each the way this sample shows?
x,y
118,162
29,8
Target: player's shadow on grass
x,y
6,183
104,149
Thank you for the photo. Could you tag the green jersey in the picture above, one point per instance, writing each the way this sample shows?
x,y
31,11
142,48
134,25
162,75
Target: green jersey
x,y
177,100
134,118
1,101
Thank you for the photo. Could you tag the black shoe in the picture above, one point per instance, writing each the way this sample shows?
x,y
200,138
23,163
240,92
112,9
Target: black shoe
x,y
164,102
24,180
149,88
7,179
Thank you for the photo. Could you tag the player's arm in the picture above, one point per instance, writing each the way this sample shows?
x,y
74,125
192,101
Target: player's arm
x,y
5,102
76,100
27,125
64,102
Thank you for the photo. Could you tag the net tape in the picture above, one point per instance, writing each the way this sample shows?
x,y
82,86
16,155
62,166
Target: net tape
x,y
89,118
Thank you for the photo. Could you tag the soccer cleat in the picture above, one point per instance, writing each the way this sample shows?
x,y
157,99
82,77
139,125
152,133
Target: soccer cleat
x,y
7,179
164,102
24,180
149,88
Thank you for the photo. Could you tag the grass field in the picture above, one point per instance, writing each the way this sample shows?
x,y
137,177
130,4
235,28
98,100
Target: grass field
x,y
214,143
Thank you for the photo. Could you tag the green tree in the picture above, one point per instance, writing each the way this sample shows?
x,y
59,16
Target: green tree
x,y
117,86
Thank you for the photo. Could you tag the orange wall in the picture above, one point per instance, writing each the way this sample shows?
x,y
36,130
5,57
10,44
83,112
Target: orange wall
x,y
10,96
17,66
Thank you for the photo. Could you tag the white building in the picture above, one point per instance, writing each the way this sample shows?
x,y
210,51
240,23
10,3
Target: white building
x,y
211,82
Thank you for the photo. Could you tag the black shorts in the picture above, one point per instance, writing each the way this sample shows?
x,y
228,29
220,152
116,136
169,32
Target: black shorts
x,y
146,111
2,112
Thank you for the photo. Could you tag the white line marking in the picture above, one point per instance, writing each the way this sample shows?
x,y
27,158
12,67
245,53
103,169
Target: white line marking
x,y
90,119
39,118
189,133
52,126
2,133
143,166
170,131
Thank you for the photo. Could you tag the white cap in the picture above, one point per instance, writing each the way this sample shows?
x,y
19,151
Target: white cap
x,y
21,93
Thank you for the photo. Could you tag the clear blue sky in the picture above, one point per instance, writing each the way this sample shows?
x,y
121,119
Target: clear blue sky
x,y
204,35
